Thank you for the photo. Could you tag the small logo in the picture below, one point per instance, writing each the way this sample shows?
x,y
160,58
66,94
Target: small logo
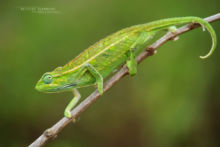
x,y
39,10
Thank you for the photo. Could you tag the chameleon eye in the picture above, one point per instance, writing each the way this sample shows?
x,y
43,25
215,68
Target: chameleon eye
x,y
47,78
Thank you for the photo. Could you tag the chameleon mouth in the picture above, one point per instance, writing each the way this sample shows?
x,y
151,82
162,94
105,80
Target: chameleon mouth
x,y
63,88
45,88
38,87
70,85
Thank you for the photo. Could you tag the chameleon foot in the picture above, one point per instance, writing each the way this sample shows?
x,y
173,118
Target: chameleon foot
x,y
67,114
173,29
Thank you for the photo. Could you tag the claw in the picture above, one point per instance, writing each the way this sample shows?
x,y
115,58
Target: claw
x,y
67,114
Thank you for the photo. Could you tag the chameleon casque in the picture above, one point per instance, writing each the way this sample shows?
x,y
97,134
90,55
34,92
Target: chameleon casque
x,y
101,59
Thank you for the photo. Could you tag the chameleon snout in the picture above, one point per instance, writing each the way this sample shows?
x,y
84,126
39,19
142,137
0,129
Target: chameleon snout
x,y
38,87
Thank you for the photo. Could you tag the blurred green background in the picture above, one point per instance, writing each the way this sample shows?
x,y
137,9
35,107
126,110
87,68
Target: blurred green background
x,y
173,101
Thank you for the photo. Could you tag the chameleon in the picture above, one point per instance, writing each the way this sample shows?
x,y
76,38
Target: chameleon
x,y
98,61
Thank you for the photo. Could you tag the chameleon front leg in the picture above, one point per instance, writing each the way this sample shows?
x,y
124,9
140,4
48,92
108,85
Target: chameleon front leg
x,y
97,76
76,98
72,103
132,63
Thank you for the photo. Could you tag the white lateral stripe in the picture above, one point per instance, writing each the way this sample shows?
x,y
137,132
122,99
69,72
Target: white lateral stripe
x,y
96,55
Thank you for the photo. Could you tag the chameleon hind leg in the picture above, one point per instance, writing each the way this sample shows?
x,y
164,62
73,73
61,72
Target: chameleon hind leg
x,y
97,76
132,62
72,103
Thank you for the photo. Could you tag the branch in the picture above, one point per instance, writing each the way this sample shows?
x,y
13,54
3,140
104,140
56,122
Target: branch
x,y
52,132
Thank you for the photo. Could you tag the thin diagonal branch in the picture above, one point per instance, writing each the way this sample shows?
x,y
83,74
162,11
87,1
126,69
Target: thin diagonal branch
x,y
52,132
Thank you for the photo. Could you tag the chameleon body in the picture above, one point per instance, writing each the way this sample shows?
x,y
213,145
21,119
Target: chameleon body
x,y
101,59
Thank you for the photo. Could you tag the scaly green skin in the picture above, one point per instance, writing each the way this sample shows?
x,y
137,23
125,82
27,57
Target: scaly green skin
x,y
99,60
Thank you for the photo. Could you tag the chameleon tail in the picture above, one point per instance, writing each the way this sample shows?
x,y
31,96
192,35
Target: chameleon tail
x,y
180,20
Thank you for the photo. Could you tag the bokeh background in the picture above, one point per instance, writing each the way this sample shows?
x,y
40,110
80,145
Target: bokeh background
x,y
173,101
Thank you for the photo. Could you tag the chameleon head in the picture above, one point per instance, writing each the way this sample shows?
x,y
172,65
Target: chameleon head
x,y
51,83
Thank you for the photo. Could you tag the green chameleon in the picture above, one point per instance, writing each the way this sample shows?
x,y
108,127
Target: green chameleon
x,y
101,59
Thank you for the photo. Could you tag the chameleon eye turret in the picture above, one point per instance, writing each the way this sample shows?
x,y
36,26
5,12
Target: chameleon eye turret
x,y
47,78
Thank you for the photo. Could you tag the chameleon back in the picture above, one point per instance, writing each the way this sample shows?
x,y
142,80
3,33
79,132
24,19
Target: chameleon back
x,y
108,53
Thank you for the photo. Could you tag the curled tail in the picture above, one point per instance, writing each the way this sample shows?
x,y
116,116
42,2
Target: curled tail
x,y
164,23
